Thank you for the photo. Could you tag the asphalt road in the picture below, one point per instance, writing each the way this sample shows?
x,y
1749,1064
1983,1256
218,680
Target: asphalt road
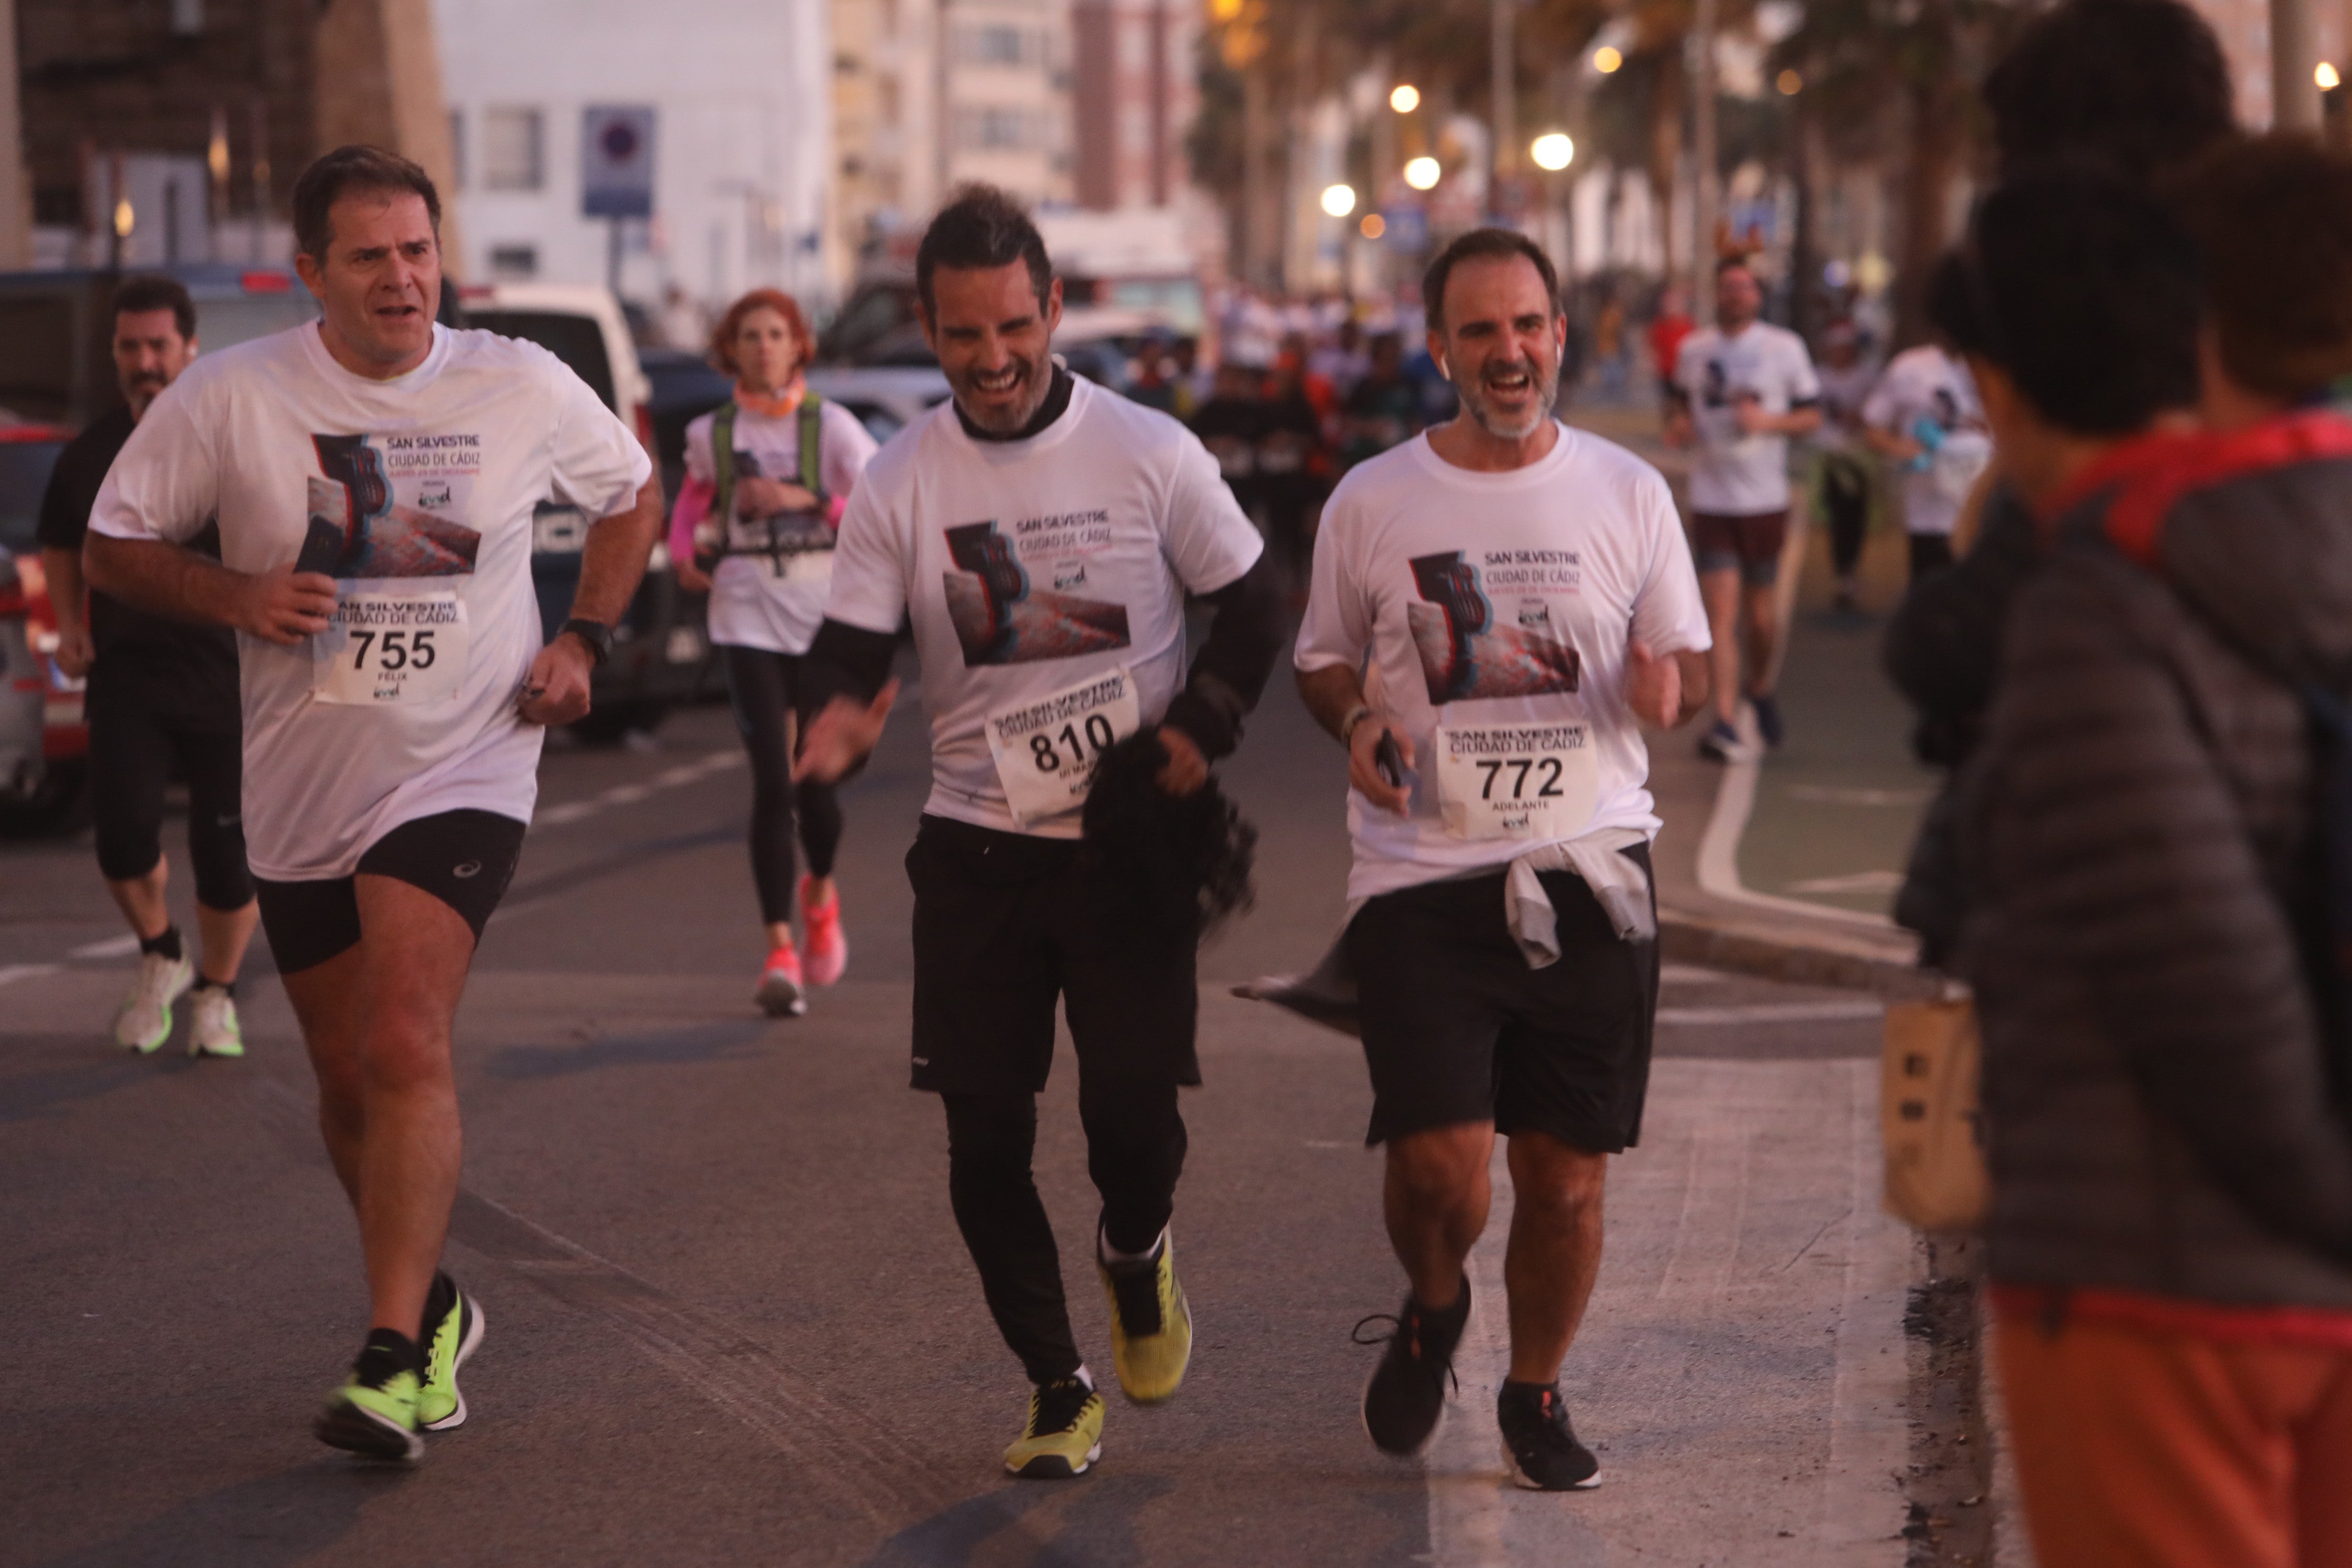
x,y
728,1316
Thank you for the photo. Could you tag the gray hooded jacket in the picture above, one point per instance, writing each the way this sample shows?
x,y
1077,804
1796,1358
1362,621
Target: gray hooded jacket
x,y
2135,832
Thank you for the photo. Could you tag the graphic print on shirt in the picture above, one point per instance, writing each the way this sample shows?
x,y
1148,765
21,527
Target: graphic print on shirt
x,y
1464,652
358,526
999,599
402,638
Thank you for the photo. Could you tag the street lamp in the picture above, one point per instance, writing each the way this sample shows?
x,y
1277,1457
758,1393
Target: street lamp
x,y
1553,153
1606,59
1790,83
2325,77
1422,174
1339,200
1405,98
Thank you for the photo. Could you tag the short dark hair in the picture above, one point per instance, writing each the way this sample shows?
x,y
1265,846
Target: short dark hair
x,y
2085,289
136,296
336,175
2139,84
2272,217
981,227
1484,245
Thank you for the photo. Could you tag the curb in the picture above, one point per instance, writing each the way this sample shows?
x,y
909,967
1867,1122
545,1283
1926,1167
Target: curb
x,y
1886,967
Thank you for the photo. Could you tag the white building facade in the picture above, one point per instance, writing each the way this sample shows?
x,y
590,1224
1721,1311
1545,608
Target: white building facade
x,y
742,97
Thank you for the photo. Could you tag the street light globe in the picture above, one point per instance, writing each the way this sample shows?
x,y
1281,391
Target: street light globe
x,y
1606,59
1790,83
1422,174
1339,200
2325,77
1553,152
1405,98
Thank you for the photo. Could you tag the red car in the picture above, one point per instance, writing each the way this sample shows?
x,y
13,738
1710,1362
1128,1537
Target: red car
x,y
44,743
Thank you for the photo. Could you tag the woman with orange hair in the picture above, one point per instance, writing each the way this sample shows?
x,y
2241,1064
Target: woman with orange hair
x,y
768,473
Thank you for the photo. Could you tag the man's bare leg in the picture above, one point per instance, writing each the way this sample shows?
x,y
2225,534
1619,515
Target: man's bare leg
x,y
387,1094
1719,592
1436,1198
1555,1250
1762,602
223,936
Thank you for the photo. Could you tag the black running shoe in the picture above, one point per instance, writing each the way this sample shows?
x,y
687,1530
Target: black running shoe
x,y
1542,1453
1767,721
1407,1391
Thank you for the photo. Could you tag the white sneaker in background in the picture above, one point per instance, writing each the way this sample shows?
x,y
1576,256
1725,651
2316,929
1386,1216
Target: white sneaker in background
x,y
213,1028
145,1021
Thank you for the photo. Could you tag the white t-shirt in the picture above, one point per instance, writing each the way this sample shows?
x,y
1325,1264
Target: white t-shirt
x,y
775,602
1735,475
1843,393
1927,384
1499,604
1033,568
419,490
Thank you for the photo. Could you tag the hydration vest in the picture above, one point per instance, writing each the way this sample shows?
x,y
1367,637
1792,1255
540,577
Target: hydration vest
x,y
718,536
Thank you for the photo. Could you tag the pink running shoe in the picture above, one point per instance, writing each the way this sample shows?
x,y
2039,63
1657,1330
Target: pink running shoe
x,y
782,994
820,933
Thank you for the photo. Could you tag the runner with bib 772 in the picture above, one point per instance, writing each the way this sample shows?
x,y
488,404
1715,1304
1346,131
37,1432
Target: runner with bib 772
x,y
1523,598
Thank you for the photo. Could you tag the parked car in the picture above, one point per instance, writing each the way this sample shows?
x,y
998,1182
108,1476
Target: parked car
x,y
661,649
683,386
886,399
44,742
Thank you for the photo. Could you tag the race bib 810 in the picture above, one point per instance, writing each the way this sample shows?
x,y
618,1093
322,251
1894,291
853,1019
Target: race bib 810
x,y
1046,751
392,647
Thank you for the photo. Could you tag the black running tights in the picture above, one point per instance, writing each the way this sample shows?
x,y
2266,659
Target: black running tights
x,y
1845,497
762,687
1135,1152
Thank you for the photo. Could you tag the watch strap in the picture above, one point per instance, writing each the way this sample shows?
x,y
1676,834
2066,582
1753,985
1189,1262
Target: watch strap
x,y
595,635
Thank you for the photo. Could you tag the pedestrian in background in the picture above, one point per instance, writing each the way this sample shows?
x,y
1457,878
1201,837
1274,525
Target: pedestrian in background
x,y
1741,388
2171,1242
1383,411
1922,417
2138,88
768,474
162,702
1846,379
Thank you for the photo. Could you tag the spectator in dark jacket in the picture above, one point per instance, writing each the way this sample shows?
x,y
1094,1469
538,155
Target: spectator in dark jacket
x,y
2138,88
2171,1244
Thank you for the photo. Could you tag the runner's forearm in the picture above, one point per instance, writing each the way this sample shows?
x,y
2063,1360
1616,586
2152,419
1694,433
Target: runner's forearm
x,y
1235,658
612,563
164,579
1332,694
62,568
845,661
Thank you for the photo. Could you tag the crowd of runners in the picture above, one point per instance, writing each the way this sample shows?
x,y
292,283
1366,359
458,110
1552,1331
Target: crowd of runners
x,y
1494,609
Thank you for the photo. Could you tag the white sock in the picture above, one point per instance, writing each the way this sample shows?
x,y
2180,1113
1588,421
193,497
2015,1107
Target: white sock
x,y
1109,1253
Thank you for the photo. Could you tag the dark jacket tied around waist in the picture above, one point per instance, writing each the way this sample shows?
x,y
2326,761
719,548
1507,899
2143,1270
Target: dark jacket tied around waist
x,y
2136,835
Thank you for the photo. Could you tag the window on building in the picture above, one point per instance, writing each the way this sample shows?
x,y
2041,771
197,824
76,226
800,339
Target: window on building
x,y
997,129
513,150
187,17
456,150
515,261
996,46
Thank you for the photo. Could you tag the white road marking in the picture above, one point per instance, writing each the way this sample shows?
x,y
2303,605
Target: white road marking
x,y
1690,974
1718,852
1857,882
12,973
112,947
1776,1013
678,777
1741,1373
1836,794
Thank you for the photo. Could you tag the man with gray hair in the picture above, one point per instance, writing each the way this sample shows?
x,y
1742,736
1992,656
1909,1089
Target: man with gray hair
x,y
1498,605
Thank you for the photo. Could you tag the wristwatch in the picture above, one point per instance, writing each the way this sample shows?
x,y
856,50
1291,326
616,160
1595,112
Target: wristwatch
x,y
1356,716
595,635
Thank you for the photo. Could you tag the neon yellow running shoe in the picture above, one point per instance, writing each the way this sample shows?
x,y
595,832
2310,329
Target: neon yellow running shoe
x,y
1151,1323
1063,1436
374,1415
453,1330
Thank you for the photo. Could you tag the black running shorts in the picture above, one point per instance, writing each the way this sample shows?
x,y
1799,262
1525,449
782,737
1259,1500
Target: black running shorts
x,y
1006,923
464,859
1458,1028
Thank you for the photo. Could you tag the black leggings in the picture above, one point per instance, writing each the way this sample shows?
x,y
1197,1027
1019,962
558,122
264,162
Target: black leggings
x,y
1930,553
762,687
1135,1152
132,754
1845,497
